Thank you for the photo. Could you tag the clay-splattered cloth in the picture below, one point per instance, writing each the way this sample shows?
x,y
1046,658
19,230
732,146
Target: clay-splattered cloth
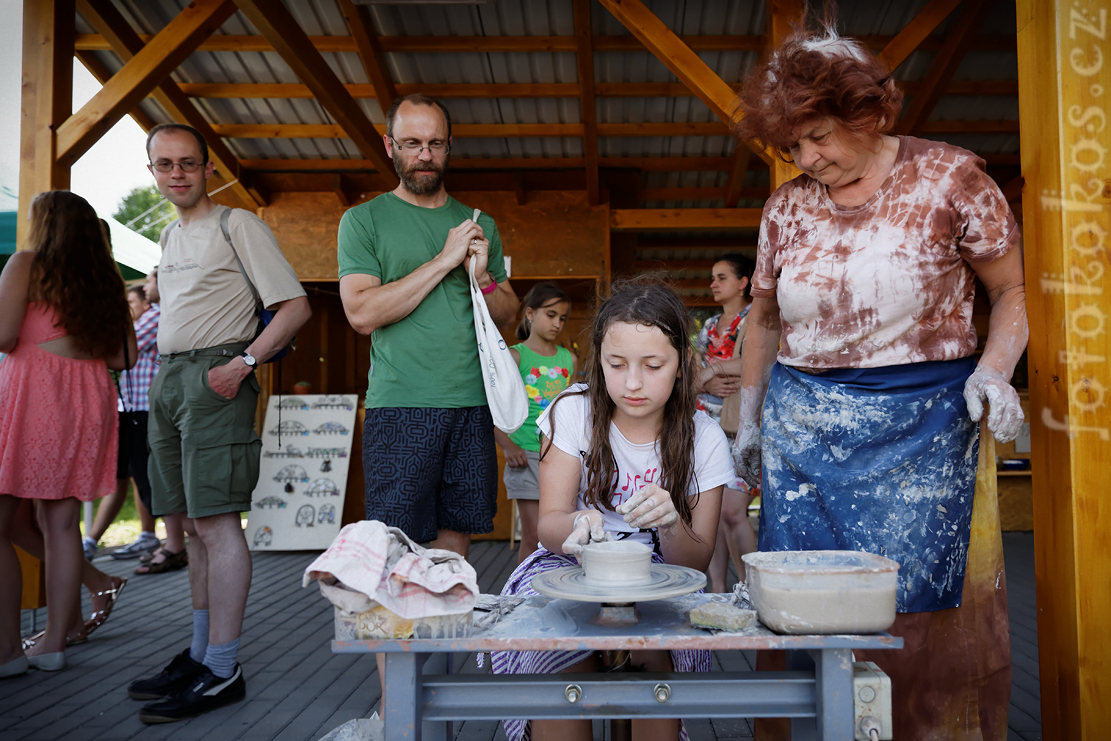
x,y
880,460
889,281
550,662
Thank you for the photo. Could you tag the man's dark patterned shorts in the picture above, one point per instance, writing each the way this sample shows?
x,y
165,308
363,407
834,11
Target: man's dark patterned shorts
x,y
431,469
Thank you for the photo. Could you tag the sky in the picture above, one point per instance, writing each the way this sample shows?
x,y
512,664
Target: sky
x,y
104,174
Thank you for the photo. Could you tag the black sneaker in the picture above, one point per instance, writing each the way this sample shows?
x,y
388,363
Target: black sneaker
x,y
207,692
177,675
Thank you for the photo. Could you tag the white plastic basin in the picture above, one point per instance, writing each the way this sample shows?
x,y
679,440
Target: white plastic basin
x,y
804,592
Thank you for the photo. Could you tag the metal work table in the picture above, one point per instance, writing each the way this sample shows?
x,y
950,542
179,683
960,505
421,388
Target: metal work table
x,y
425,694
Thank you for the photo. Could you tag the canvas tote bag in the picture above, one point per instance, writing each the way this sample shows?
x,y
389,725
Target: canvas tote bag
x,y
505,389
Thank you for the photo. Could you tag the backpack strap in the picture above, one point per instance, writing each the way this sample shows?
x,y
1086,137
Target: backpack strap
x,y
227,236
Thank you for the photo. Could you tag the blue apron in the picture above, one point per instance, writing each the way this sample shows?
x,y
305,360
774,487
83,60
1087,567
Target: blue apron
x,y
874,459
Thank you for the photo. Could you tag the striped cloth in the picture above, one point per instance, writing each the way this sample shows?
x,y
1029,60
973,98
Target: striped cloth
x,y
552,662
135,383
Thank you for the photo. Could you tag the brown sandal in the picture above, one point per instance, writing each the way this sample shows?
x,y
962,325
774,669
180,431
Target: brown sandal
x,y
170,562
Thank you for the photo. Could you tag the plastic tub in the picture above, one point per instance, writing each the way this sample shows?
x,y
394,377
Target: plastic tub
x,y
806,592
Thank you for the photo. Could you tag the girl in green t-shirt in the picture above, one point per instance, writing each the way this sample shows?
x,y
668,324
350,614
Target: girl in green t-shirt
x,y
547,369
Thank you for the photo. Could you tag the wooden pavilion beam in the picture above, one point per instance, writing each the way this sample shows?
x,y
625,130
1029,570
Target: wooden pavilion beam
x,y
685,219
278,25
914,33
666,46
296,90
488,131
485,44
104,16
361,25
102,74
647,164
957,42
1065,75
736,186
584,58
139,76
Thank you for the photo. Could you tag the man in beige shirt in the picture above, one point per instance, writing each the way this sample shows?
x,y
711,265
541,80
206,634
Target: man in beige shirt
x,y
204,449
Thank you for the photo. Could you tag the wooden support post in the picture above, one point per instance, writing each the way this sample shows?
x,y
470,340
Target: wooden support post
x,y
784,17
46,99
1064,73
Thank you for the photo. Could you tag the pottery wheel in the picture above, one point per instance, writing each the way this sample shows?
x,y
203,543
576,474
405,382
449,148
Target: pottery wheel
x,y
667,581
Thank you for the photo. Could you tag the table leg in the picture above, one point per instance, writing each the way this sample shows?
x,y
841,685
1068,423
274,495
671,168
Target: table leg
x,y
401,710
833,675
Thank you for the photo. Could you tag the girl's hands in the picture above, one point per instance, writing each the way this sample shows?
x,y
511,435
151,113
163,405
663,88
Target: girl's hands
x,y
588,527
650,507
515,456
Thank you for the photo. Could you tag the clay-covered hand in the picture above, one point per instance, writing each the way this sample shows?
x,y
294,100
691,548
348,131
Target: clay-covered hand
x,y
1004,409
746,453
588,527
649,507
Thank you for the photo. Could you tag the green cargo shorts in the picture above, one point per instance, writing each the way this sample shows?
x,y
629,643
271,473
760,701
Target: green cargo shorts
x,y
204,451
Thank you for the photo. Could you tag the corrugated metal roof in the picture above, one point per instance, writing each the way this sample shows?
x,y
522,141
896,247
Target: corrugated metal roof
x,y
554,18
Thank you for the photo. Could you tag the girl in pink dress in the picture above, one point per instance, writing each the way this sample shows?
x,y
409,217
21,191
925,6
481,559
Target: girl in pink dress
x,y
64,322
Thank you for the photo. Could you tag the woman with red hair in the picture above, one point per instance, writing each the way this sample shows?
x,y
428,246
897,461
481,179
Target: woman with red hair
x,y
861,387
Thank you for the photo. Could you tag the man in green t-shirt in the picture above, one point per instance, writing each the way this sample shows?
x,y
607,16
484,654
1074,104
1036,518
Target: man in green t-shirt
x,y
428,446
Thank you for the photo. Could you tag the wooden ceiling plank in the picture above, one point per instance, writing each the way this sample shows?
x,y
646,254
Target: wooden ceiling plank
x,y
293,45
361,25
653,219
948,57
140,75
915,32
653,164
684,63
584,55
104,16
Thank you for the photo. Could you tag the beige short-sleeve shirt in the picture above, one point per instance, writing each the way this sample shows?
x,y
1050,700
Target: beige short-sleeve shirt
x,y
888,282
205,300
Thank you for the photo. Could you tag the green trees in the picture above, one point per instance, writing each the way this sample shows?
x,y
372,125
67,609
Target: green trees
x,y
149,211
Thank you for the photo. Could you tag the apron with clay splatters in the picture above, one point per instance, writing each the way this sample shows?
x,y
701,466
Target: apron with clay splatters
x,y
874,459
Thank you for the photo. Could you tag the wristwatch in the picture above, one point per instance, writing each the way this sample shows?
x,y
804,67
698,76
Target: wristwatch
x,y
248,359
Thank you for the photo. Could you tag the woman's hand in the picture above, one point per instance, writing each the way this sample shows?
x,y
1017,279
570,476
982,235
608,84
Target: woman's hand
x,y
588,527
1004,409
746,453
649,507
721,385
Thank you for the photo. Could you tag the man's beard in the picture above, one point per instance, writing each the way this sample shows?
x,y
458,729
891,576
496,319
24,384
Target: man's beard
x,y
423,184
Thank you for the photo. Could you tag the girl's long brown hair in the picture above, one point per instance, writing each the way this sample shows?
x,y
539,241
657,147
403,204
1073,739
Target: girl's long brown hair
x,y
652,303
73,272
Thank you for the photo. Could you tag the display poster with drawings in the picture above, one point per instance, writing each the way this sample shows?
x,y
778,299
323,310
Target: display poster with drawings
x,y
298,503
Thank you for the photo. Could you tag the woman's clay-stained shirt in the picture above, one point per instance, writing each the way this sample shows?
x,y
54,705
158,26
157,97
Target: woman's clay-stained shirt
x,y
887,282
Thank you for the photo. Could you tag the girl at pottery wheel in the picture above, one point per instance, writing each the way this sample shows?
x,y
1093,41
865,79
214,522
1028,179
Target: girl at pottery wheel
x,y
861,335
626,455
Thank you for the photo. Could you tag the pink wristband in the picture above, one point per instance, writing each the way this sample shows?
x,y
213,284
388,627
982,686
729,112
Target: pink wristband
x,y
490,288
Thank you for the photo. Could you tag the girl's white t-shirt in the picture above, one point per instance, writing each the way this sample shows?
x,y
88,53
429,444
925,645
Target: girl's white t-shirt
x,y
638,464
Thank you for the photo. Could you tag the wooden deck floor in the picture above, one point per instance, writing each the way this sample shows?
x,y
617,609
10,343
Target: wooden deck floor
x,y
297,690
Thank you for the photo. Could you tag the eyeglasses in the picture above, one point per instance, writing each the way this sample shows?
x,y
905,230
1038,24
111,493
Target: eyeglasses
x,y
433,147
184,165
